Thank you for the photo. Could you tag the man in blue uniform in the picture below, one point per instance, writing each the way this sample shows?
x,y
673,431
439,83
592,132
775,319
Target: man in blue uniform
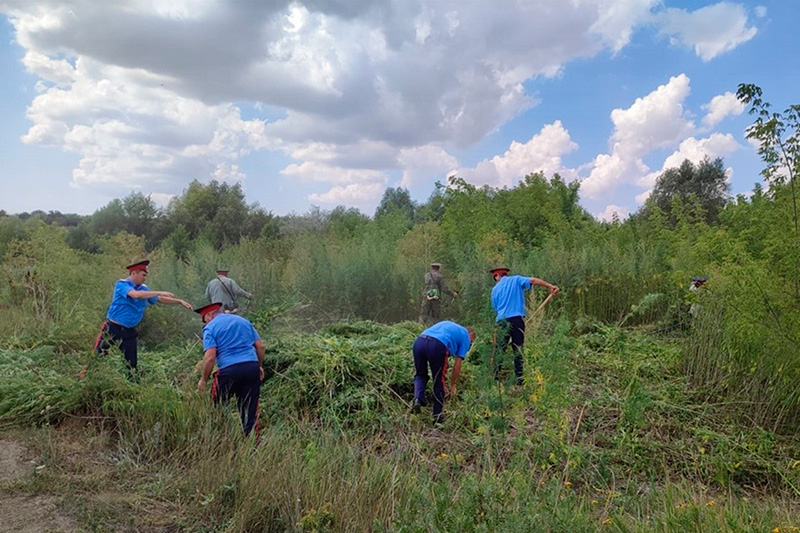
x,y
131,297
232,343
433,348
508,301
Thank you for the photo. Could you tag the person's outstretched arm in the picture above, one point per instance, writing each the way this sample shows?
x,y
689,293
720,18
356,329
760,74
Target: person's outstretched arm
x,y
171,300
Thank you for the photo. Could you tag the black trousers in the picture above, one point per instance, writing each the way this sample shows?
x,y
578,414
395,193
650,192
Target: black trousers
x,y
113,334
512,329
243,382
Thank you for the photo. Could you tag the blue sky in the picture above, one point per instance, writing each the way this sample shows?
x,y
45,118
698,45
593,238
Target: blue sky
x,y
328,103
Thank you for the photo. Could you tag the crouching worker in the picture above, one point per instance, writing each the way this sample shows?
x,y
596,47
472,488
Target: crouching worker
x,y
433,348
232,343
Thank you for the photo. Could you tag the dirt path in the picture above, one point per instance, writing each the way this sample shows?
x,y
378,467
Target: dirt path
x,y
22,513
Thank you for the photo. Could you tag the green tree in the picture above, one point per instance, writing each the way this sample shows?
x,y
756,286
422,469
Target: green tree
x,y
778,135
216,212
396,200
704,184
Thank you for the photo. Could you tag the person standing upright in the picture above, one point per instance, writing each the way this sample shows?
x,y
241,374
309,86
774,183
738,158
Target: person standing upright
x,y
131,298
508,301
232,344
225,290
434,287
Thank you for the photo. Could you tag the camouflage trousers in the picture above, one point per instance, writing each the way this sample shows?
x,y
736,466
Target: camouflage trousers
x,y
430,312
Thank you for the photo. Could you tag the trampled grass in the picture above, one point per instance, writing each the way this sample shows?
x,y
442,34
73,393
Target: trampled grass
x,y
606,435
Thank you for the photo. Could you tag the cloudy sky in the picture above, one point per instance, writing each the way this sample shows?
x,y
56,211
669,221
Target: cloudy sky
x,y
328,102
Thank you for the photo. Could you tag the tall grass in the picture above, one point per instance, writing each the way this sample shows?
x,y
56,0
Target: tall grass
x,y
604,434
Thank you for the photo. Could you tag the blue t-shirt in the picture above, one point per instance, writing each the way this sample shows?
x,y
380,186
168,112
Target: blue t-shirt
x,y
127,311
233,337
508,298
454,337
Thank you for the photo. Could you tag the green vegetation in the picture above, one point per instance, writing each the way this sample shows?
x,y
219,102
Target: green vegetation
x,y
646,407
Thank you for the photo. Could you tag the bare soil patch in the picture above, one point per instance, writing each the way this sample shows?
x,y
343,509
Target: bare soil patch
x,y
23,513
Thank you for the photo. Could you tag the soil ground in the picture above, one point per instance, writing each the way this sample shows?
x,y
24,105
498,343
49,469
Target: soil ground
x,y
20,512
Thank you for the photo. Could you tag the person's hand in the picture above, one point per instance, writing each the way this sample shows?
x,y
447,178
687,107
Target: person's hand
x,y
186,304
554,290
201,385
261,373
455,295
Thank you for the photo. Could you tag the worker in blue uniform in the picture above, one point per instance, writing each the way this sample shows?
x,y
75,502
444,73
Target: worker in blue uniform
x,y
131,298
432,349
508,301
232,344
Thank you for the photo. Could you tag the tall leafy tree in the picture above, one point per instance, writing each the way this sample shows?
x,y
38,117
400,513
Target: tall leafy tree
x,y
778,135
396,200
704,183
216,212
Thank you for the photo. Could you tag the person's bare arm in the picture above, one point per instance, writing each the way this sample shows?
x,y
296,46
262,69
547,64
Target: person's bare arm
x,y
209,360
259,346
171,300
454,376
542,283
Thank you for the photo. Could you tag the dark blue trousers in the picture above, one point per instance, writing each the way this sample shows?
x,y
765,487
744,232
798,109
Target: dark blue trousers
x,y
243,382
512,329
430,352
113,334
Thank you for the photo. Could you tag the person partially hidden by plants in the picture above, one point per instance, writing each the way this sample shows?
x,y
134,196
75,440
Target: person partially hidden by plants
x,y
225,290
432,349
435,286
232,344
508,301
130,299
694,286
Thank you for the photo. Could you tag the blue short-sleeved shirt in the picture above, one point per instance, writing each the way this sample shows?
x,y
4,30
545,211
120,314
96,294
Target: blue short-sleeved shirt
x,y
233,337
454,337
127,311
508,296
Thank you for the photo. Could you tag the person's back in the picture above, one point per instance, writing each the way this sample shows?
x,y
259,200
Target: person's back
x,y
225,290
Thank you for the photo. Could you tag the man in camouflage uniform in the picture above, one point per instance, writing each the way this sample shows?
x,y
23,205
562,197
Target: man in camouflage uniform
x,y
434,287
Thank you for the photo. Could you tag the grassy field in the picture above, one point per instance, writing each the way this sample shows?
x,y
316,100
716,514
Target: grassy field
x,y
606,435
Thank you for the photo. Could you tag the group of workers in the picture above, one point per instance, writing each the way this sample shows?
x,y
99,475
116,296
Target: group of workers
x,y
443,339
232,344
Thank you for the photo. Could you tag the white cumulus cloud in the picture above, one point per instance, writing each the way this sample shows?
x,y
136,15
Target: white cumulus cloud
x,y
611,211
654,121
362,195
543,152
722,106
710,30
151,94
